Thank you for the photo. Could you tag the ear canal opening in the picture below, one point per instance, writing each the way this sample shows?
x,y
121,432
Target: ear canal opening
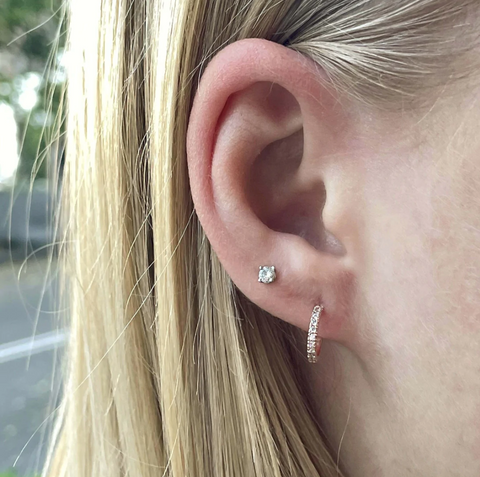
x,y
284,201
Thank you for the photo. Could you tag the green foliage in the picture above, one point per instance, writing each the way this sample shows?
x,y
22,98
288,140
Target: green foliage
x,y
28,48
9,473
20,16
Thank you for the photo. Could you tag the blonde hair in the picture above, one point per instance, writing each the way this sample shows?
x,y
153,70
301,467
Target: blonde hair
x,y
171,371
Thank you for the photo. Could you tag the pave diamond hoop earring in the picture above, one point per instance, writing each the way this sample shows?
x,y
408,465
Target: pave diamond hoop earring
x,y
314,342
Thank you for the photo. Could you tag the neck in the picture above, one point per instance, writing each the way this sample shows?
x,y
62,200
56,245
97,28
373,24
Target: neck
x,y
380,421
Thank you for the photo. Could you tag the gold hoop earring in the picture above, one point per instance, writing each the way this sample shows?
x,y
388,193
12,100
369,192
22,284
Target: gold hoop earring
x,y
314,342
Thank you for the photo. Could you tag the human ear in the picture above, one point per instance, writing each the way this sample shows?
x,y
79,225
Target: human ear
x,y
264,132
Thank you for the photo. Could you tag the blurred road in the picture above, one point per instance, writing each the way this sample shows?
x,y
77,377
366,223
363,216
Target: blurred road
x,y
25,216
30,344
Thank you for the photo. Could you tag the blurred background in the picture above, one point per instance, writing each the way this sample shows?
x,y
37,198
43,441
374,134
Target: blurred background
x,y
32,76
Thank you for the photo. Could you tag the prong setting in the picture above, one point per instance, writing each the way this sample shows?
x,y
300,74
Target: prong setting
x,y
266,274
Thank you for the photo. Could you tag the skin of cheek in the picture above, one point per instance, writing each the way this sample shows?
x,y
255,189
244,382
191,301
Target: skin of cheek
x,y
418,269
457,251
405,397
425,240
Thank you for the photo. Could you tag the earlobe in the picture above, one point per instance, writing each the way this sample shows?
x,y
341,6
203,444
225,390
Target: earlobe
x,y
262,134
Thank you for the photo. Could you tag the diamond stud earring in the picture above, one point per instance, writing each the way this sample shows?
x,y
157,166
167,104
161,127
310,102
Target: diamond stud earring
x,y
266,274
314,342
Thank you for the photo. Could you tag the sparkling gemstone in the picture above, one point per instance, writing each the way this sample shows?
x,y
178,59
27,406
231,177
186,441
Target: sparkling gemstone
x,y
266,274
